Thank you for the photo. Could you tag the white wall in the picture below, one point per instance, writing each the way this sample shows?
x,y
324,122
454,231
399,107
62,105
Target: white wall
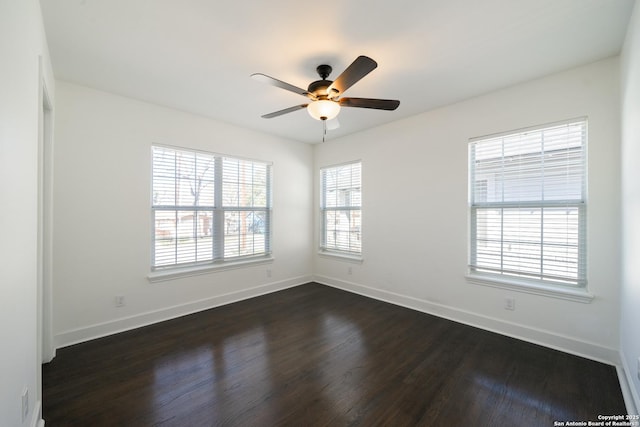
x,y
102,218
22,49
630,301
415,215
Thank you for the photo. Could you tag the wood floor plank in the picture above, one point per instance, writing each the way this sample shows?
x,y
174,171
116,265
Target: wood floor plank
x,y
317,356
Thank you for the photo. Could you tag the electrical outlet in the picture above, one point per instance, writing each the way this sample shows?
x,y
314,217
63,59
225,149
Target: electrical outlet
x,y
349,270
510,304
119,300
25,404
268,272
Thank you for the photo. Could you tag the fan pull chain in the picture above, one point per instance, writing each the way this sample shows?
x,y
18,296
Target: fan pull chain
x,y
324,129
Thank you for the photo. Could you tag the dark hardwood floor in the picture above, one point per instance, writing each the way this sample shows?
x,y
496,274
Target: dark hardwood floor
x,y
317,356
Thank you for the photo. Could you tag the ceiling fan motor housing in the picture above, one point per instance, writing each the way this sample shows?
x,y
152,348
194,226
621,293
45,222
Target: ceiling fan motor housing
x,y
319,88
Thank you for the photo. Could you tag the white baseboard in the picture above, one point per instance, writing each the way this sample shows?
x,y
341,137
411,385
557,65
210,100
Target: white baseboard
x,y
48,354
525,333
115,326
630,394
36,415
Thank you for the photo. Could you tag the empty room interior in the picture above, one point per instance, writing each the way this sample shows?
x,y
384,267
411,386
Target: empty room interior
x,y
448,235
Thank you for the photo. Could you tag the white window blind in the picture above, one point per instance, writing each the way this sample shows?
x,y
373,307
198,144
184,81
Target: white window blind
x,y
341,196
208,208
528,203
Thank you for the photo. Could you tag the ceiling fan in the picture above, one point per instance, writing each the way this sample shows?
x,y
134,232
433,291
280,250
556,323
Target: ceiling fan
x,y
325,95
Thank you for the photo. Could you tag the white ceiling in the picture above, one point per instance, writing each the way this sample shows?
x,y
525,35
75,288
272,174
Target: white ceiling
x,y
197,55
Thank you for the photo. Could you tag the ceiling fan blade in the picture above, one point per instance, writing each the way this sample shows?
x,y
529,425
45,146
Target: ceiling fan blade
x,y
359,68
285,111
333,124
378,104
283,85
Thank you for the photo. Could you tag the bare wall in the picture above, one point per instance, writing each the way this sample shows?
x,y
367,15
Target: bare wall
x,y
25,69
630,301
415,215
102,217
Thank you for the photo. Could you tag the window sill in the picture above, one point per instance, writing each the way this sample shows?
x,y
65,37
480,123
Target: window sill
x,y
177,273
342,256
572,294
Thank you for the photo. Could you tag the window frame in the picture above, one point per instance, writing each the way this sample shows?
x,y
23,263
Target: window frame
x,y
521,280
217,211
323,248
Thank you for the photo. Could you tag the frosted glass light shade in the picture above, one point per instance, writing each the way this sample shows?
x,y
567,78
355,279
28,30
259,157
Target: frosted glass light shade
x,y
323,109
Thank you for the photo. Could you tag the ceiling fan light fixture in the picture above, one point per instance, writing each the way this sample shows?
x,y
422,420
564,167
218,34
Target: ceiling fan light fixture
x,y
323,109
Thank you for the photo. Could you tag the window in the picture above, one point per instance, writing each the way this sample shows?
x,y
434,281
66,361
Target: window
x,y
528,204
341,194
208,208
